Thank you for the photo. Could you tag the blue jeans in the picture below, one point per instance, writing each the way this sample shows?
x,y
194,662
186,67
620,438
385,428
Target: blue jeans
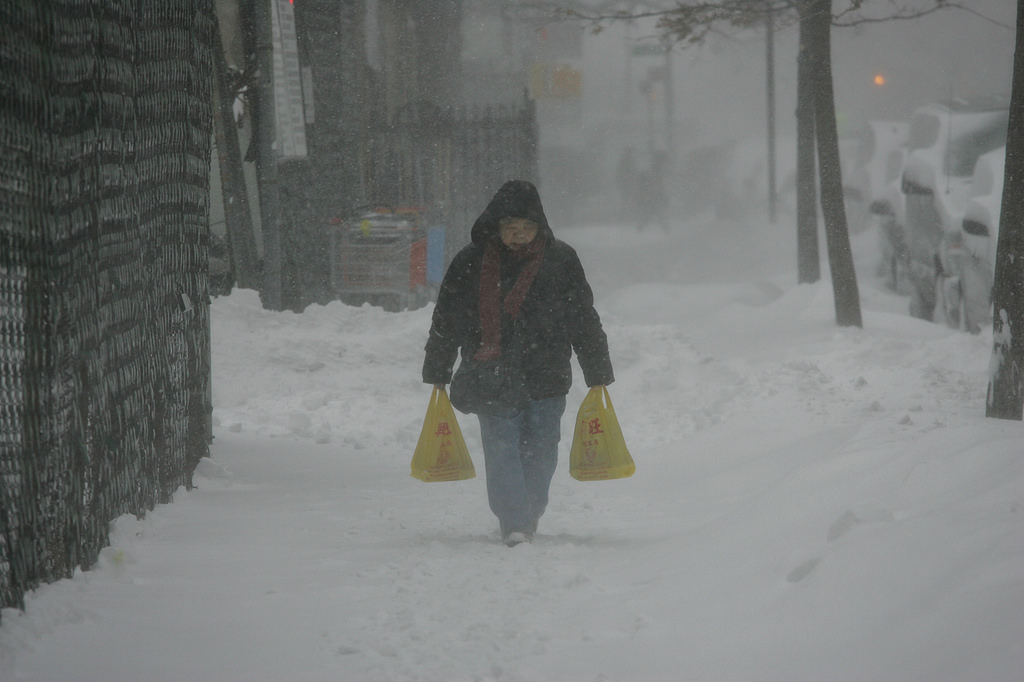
x,y
520,455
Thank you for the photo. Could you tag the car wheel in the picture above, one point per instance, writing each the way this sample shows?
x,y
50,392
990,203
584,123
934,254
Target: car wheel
x,y
922,302
903,283
892,274
953,303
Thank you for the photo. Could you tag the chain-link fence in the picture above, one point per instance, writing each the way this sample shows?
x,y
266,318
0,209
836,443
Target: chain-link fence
x,y
104,344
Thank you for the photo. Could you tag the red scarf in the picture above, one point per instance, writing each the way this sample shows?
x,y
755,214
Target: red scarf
x,y
490,292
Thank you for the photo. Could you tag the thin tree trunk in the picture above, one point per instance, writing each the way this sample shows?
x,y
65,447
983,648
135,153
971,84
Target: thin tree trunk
x,y
1006,383
807,258
840,257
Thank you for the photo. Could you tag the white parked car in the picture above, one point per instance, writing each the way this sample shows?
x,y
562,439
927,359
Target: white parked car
x,y
946,139
865,182
890,210
968,257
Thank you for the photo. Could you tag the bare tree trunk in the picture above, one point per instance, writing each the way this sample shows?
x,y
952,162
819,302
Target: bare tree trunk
x,y
1006,383
816,43
807,258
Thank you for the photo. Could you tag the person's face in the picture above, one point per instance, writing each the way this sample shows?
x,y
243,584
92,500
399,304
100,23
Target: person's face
x,y
517,232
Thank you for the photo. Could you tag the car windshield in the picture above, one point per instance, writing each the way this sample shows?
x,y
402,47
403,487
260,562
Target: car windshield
x,y
866,148
979,137
894,164
924,131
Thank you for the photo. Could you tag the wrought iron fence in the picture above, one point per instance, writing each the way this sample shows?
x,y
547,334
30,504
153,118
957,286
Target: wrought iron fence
x,y
450,160
105,125
446,162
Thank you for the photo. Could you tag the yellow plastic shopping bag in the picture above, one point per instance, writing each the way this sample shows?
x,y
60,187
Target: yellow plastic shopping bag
x,y
441,454
598,449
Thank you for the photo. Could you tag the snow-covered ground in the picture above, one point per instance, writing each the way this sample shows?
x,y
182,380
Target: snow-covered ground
x,y
810,502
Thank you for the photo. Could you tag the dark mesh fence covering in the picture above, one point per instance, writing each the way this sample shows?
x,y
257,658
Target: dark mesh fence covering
x,y
104,345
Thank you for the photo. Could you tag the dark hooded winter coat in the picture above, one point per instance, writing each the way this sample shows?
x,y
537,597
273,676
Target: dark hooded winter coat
x,y
557,316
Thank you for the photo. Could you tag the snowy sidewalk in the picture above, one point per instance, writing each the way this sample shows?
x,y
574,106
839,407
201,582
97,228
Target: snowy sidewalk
x,y
810,503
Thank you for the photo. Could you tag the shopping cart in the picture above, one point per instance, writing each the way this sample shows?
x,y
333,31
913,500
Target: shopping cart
x,y
380,258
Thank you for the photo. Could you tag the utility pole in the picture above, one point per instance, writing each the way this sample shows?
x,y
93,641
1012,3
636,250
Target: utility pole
x,y
238,220
271,294
670,140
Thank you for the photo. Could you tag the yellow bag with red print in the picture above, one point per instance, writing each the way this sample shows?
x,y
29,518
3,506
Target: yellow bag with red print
x,y
598,449
441,453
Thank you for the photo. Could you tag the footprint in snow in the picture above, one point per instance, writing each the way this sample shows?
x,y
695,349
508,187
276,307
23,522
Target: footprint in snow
x,y
840,527
803,570
850,518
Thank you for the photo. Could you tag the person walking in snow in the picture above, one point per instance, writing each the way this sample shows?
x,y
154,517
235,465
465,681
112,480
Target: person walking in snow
x,y
515,303
652,201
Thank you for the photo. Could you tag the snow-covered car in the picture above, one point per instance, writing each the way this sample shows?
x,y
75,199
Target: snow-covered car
x,y
945,141
866,180
889,209
968,257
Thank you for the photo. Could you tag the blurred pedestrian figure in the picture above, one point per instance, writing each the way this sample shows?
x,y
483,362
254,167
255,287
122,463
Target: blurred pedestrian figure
x,y
652,201
626,182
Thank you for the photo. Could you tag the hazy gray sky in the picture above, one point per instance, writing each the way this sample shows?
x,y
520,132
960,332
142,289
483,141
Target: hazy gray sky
x,y
720,88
